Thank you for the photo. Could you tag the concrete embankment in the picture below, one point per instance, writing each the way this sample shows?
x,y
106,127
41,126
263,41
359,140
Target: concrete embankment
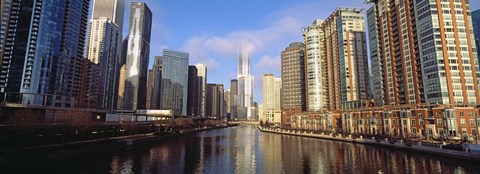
x,y
414,147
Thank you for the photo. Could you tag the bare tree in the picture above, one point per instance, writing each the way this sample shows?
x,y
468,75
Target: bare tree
x,y
22,117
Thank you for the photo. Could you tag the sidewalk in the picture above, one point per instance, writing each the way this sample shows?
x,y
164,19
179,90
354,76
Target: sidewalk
x,y
383,143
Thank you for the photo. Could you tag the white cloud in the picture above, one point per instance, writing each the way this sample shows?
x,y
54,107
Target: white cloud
x,y
204,47
269,63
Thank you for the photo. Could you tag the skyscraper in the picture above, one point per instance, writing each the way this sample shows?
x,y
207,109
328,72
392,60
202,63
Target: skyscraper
x,y
113,10
157,82
293,81
271,92
149,95
104,48
120,78
215,101
234,101
136,66
423,54
194,95
346,66
315,63
476,29
174,83
245,86
271,89
202,75
41,51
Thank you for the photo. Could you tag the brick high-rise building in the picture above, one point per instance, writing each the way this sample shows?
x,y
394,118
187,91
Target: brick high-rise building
x,y
346,74
293,81
423,52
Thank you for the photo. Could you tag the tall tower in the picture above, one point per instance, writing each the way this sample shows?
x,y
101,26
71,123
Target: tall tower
x,y
41,47
423,52
113,10
202,75
136,65
293,81
346,66
245,85
104,48
194,87
174,85
314,65
157,80
271,92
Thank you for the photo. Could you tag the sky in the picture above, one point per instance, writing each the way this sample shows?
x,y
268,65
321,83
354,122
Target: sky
x,y
211,31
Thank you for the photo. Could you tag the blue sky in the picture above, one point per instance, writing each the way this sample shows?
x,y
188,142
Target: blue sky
x,y
212,30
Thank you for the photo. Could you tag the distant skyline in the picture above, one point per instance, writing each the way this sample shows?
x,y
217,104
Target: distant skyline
x,y
212,31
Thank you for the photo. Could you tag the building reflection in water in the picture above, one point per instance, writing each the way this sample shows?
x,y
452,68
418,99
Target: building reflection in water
x,y
244,149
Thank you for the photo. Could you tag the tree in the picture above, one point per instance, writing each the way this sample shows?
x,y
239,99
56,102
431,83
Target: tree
x,y
21,117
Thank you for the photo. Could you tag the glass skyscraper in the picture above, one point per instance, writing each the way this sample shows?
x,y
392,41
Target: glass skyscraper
x,y
104,48
41,47
138,51
476,29
174,84
245,86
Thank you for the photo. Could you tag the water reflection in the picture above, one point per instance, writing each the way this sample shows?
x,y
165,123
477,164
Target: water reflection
x,y
246,150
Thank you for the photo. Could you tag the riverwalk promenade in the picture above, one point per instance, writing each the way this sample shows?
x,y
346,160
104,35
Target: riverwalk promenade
x,y
415,147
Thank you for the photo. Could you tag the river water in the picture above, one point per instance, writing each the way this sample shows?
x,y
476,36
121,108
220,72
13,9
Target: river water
x,y
241,149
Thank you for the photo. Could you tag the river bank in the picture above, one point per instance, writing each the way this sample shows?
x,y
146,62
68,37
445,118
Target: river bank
x,y
120,140
413,147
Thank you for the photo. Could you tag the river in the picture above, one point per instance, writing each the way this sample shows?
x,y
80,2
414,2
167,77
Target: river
x,y
241,149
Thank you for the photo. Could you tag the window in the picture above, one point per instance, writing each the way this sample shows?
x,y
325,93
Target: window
x,y
414,130
414,122
472,122
461,114
439,122
462,121
421,122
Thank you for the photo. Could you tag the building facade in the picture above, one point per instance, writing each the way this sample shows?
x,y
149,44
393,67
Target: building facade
x,y
215,101
476,29
149,89
439,66
271,88
293,81
194,94
138,50
202,75
103,49
41,52
234,101
156,82
245,86
174,83
346,60
314,64
113,10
